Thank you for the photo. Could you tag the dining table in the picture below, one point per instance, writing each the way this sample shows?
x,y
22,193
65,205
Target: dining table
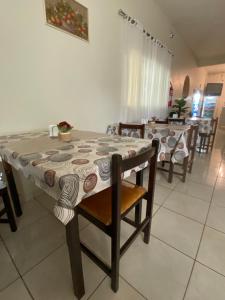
x,y
172,138
204,123
68,172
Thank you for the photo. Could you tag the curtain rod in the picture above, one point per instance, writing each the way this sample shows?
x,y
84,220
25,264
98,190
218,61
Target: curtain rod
x,y
135,22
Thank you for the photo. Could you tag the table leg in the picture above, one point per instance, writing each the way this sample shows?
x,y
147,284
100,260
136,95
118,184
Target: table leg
x,y
73,243
12,188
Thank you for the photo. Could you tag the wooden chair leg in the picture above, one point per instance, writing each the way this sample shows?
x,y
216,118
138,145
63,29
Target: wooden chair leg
x,y
138,207
147,229
213,141
115,259
138,212
185,166
12,188
170,177
200,145
190,163
151,187
208,144
204,142
9,211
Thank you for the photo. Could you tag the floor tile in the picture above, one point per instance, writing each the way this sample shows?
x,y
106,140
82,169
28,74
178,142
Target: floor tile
x,y
219,192
161,194
194,189
16,291
51,279
156,270
178,231
211,252
222,170
216,217
205,284
33,243
100,243
131,214
188,206
32,211
162,179
125,292
8,272
208,179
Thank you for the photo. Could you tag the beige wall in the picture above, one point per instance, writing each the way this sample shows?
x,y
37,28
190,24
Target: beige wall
x,y
47,75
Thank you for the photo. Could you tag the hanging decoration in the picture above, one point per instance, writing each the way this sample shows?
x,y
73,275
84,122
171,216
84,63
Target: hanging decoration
x,y
149,35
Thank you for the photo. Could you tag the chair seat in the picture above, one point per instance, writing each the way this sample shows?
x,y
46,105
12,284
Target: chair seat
x,y
99,205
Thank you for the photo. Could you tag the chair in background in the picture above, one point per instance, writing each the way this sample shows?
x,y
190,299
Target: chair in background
x,y
193,145
107,208
7,209
214,125
132,127
162,121
207,139
138,131
183,165
180,121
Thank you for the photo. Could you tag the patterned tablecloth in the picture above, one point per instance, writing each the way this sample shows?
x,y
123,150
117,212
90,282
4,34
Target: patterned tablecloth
x,y
204,124
69,172
168,135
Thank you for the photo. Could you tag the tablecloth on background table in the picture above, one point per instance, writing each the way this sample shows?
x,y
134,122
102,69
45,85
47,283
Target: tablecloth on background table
x,y
168,135
204,124
70,171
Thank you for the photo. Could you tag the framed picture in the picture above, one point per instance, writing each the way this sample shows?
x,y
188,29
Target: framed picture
x,y
68,15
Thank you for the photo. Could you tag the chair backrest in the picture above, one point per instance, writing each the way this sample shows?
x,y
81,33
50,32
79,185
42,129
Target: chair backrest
x,y
119,166
132,127
176,121
192,137
214,124
162,121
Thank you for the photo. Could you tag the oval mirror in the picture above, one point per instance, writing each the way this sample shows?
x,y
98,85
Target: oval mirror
x,y
186,87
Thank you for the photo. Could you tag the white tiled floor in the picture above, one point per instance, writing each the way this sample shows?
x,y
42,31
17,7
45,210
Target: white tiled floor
x,y
185,259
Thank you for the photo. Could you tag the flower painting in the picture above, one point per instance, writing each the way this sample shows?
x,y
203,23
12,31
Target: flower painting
x,y
69,16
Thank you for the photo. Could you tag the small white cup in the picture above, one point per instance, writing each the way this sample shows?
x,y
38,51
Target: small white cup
x,y
53,130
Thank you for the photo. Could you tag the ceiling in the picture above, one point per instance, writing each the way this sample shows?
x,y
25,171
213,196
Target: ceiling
x,y
202,25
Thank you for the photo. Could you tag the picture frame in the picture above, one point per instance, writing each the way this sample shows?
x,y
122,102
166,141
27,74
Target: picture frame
x,y
69,16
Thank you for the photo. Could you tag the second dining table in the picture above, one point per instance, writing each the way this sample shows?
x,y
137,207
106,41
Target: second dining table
x,y
69,172
171,137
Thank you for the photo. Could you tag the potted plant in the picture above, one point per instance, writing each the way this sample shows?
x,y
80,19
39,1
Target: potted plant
x,y
65,131
179,107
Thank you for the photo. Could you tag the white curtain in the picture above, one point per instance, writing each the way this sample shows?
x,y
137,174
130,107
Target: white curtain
x,y
145,76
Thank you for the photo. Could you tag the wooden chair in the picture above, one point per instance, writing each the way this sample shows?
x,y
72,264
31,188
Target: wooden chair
x,y
162,121
207,139
183,165
135,127
214,125
107,208
193,145
180,121
7,210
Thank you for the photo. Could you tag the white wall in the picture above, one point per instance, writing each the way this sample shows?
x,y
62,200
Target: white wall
x,y
47,75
